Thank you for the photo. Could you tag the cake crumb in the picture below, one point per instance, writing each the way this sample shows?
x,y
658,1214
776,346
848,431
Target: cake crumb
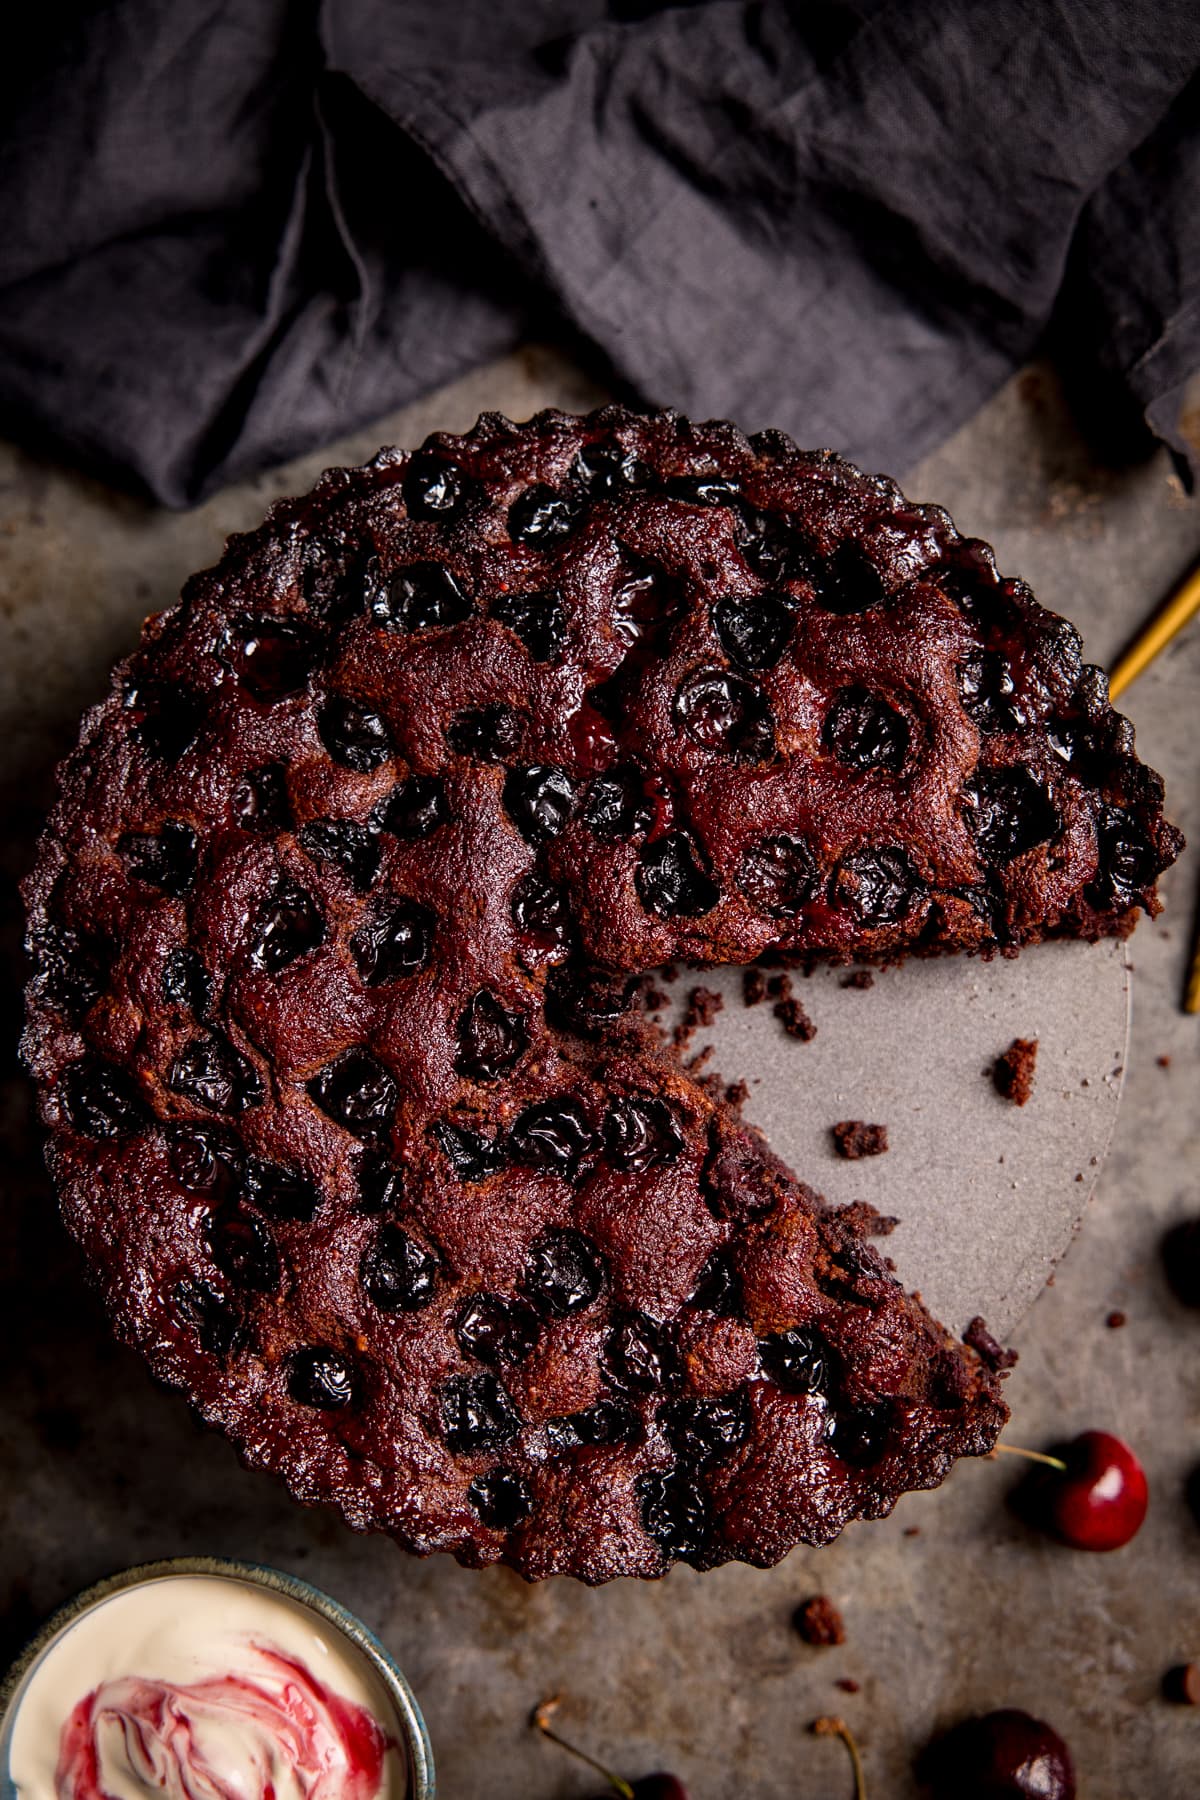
x,y
865,1220
854,1138
754,987
656,998
1013,1072
847,1684
780,987
1164,1062
795,1020
736,1095
857,978
703,1006
698,1061
1115,1320
819,1622
912,1531
669,972
987,1347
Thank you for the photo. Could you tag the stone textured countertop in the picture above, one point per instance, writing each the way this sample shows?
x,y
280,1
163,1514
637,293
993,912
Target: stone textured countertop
x,y
951,1606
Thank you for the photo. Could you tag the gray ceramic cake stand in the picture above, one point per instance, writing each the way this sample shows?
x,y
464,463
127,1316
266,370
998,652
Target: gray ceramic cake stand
x,y
988,1194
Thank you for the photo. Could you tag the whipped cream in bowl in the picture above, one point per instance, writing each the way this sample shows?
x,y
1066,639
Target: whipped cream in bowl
x,y
207,1680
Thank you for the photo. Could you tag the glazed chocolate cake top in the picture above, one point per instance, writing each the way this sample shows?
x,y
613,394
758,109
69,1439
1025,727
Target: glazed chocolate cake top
x,y
335,925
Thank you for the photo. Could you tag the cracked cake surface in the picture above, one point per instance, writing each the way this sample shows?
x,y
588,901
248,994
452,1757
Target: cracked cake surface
x,y
336,927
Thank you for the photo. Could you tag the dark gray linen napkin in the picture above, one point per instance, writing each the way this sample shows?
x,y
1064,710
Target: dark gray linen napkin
x,y
233,231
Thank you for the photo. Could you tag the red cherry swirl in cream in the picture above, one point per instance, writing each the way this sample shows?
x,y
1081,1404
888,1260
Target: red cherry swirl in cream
x,y
274,1732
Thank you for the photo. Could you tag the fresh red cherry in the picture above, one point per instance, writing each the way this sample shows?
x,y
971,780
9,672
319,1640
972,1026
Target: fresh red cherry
x,y
1091,1494
1001,1756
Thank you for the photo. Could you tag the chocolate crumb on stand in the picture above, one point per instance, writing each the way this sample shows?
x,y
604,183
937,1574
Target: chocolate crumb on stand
x,y
854,1139
819,1622
795,1020
992,1352
703,1005
790,1011
754,987
1012,1074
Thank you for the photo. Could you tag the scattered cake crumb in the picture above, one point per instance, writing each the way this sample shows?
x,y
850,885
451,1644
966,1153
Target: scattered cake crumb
x,y
857,978
819,1622
847,1684
988,1348
1013,1072
703,1006
1115,1320
736,1095
854,1138
1079,1177
698,1061
912,1531
1164,1062
754,987
780,987
795,1020
866,1220
656,998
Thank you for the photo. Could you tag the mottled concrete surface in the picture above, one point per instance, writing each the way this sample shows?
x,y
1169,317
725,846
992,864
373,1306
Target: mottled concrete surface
x,y
700,1674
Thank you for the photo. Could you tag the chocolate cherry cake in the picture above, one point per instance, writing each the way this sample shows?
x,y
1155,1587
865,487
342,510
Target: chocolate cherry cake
x,y
340,914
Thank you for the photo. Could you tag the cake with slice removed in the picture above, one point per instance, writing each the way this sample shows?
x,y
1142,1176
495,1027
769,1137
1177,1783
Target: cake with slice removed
x,y
337,923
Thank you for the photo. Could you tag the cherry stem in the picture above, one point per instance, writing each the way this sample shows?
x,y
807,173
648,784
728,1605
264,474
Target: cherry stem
x,y
1038,1456
838,1728
541,1722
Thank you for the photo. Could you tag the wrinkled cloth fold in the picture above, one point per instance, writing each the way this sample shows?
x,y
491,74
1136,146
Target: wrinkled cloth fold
x,y
237,229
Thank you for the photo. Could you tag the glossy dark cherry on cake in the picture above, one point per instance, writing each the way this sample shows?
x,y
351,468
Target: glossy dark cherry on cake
x,y
335,928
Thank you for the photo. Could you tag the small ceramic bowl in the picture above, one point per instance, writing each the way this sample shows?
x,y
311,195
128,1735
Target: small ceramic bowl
x,y
410,1726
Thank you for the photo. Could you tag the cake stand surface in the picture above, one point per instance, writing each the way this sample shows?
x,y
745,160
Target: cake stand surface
x,y
987,1194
